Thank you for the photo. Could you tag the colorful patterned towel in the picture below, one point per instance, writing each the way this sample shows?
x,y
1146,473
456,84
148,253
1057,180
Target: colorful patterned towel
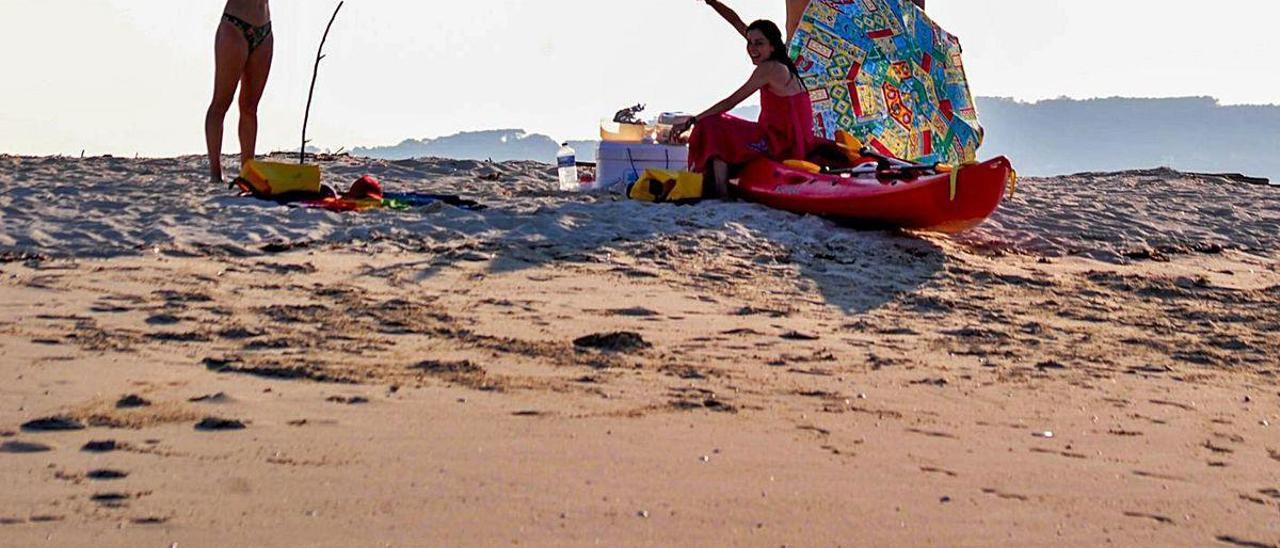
x,y
406,200
886,73
366,193
390,200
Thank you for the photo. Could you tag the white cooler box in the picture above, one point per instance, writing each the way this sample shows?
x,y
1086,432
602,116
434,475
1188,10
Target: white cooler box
x,y
622,163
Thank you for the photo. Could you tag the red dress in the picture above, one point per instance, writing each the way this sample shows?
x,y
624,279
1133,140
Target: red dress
x,y
784,132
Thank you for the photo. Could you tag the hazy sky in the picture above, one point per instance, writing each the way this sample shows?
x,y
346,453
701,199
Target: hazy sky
x,y
135,76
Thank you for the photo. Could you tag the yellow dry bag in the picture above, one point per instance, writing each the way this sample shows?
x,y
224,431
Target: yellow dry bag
x,y
666,186
274,179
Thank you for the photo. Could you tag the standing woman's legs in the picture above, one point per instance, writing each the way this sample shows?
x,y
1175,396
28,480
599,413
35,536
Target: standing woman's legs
x,y
230,52
256,71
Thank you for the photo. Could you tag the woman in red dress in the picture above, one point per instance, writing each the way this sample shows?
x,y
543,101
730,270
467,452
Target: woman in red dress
x,y
721,143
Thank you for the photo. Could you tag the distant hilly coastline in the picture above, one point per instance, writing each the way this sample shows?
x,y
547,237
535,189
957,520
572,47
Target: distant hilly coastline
x,y
1063,136
1053,137
499,145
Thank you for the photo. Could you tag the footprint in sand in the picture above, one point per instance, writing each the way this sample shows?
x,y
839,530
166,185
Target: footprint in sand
x,y
111,499
23,447
215,424
633,312
163,319
101,446
104,474
621,341
53,424
132,401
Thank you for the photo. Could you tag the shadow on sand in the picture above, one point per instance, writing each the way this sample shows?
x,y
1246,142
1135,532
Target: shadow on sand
x,y
855,271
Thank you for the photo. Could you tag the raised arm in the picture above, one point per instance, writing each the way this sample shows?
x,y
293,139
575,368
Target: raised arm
x,y
729,15
795,12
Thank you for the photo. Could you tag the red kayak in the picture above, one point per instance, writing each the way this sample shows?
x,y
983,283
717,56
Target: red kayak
x,y
929,202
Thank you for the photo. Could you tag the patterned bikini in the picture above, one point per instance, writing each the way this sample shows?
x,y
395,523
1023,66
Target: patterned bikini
x,y
255,36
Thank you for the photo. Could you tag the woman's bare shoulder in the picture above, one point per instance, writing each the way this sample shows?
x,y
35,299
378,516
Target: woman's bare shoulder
x,y
775,70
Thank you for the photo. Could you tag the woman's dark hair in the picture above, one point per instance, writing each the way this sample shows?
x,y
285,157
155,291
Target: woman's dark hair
x,y
781,52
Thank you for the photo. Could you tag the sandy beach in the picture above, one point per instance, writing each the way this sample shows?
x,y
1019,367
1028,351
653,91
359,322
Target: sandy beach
x,y
1099,364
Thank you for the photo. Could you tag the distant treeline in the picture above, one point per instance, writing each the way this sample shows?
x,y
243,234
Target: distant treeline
x,y
1051,137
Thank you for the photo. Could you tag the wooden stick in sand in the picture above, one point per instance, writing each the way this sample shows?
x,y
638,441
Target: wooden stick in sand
x,y
302,154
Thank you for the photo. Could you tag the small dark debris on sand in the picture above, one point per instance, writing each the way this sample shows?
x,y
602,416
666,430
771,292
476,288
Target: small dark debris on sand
x,y
238,333
185,337
634,312
273,371
620,341
111,499
798,336
132,401
220,397
105,474
529,413
441,367
53,424
23,447
352,400
163,319
23,256
282,246
100,446
182,297
719,406
150,520
684,372
1050,364
709,403
1150,516
752,311
1237,541
215,424
46,518
219,364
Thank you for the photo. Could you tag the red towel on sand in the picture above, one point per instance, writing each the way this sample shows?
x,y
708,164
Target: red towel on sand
x,y
365,193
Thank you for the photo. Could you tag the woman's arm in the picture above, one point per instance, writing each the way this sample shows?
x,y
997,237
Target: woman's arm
x,y
729,15
753,85
759,79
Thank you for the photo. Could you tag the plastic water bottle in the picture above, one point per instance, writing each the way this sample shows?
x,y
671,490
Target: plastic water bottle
x,y
567,161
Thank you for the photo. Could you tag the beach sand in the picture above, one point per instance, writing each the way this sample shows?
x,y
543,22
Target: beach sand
x,y
1098,364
